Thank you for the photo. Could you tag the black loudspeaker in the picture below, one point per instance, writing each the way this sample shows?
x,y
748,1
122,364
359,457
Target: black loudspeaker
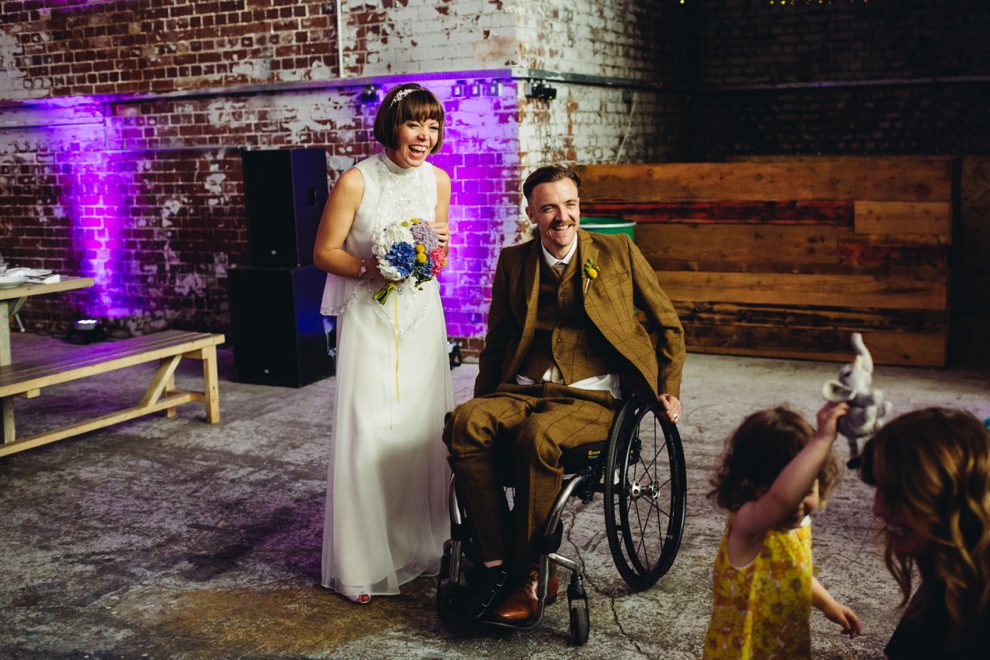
x,y
284,195
279,335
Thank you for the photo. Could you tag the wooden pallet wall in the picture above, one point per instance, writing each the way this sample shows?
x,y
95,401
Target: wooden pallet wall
x,y
787,258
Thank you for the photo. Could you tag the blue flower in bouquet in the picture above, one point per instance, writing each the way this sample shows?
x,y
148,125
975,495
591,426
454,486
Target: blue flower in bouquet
x,y
402,257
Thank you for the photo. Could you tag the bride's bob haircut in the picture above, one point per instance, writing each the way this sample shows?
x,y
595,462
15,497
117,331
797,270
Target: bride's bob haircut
x,y
408,102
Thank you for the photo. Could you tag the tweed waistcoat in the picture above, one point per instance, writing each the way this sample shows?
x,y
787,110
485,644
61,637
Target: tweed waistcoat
x,y
564,334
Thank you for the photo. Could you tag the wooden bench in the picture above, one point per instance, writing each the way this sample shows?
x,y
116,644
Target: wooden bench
x,y
28,377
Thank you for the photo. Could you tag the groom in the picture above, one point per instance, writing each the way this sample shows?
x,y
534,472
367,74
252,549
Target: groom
x,y
562,335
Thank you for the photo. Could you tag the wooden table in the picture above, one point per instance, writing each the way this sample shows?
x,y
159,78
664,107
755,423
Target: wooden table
x,y
11,299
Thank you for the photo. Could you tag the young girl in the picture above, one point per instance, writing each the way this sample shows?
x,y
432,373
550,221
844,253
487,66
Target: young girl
x,y
776,472
931,469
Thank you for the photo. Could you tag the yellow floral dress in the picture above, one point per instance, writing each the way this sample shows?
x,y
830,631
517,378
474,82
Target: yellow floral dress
x,y
763,610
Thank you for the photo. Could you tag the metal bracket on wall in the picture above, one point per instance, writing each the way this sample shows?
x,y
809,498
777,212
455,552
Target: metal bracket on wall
x,y
369,94
540,90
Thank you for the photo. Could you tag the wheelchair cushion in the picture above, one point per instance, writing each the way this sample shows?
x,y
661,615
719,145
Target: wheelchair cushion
x,y
573,460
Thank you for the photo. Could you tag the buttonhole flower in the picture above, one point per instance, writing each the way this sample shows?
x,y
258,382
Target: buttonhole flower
x,y
591,271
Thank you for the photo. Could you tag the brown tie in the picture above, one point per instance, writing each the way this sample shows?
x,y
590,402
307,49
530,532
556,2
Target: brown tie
x,y
559,268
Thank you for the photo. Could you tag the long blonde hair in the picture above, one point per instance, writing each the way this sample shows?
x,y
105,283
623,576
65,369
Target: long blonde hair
x,y
932,467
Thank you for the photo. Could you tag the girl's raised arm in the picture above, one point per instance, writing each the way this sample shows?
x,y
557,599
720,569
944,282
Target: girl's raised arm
x,y
773,507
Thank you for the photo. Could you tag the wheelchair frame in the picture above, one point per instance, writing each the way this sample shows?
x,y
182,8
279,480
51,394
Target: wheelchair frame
x,y
633,459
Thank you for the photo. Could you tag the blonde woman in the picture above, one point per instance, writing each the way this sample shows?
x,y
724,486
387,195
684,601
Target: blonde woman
x,y
931,469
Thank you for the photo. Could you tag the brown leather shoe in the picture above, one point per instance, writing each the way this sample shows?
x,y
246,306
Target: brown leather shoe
x,y
485,587
523,603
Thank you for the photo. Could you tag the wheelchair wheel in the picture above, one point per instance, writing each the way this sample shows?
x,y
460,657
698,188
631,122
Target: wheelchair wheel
x,y
580,625
645,493
577,604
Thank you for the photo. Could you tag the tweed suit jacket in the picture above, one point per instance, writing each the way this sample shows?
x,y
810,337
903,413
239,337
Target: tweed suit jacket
x,y
625,282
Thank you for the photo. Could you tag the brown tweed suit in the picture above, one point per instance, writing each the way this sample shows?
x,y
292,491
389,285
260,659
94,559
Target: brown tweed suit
x,y
541,420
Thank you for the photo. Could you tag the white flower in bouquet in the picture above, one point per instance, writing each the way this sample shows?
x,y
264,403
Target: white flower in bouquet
x,y
383,245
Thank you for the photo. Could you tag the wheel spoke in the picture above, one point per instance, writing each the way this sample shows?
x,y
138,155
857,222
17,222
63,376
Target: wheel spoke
x,y
644,496
643,525
652,458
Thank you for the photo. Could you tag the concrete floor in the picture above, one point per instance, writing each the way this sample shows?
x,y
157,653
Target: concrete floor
x,y
173,538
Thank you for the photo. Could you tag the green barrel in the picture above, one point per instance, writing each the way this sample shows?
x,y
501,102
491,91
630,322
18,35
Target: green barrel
x,y
610,226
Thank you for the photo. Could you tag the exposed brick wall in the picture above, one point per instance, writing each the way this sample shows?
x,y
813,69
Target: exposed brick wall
x,y
588,125
884,119
624,39
171,232
332,117
482,158
746,42
157,247
58,48
147,197
842,77
416,36
42,199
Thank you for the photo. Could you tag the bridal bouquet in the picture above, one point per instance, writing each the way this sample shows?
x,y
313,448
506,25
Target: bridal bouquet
x,y
407,250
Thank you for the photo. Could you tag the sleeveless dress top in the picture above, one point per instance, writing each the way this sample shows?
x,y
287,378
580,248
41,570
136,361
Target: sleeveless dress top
x,y
391,194
386,510
763,610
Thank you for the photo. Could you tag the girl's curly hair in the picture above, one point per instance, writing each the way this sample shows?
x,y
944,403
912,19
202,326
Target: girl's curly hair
x,y
759,450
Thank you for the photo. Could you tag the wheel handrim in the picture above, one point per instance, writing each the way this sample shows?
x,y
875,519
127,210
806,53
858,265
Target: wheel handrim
x,y
646,492
644,508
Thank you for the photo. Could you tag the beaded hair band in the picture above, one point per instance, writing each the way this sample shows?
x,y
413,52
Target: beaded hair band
x,y
401,95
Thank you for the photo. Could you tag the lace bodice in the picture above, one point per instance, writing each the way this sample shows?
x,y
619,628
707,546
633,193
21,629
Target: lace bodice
x,y
391,193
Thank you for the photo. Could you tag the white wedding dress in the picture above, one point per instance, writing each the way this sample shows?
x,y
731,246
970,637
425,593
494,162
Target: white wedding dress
x,y
386,514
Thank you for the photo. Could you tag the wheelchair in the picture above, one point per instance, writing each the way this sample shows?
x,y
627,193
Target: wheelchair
x,y
641,473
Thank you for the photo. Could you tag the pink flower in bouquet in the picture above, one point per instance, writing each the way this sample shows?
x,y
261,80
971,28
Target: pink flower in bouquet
x,y
438,261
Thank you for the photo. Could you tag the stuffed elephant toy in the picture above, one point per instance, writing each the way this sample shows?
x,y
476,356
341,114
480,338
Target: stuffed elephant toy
x,y
854,386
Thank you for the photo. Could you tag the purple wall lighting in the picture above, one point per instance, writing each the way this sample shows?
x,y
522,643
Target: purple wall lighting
x,y
481,154
76,4
91,185
110,216
80,188
77,211
98,214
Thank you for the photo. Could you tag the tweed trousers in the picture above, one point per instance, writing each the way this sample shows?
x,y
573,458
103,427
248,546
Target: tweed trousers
x,y
532,424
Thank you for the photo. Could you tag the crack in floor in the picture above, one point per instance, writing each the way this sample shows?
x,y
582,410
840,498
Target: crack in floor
x,y
590,583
